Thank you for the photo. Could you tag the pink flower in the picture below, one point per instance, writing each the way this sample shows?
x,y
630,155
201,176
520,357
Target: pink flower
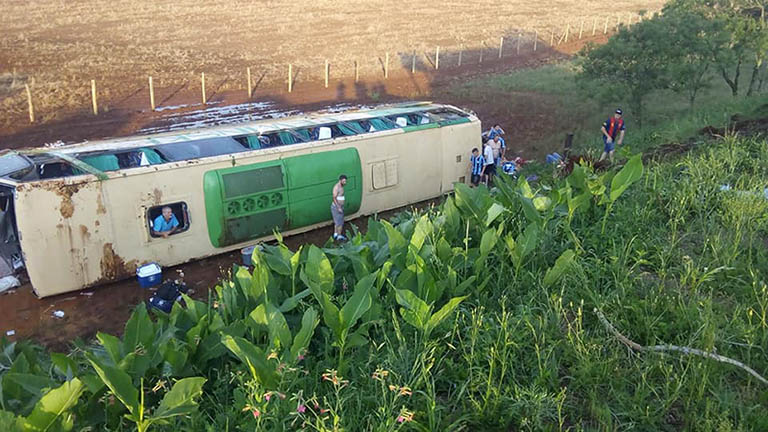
x,y
267,396
300,357
256,413
301,408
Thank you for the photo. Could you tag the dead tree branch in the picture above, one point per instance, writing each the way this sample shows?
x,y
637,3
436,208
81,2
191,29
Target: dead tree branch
x,y
685,350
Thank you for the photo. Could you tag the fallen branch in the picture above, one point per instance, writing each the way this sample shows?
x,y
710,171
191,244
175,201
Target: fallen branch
x,y
685,350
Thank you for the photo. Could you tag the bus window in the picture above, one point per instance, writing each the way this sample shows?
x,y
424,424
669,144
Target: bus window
x,y
199,149
324,132
179,211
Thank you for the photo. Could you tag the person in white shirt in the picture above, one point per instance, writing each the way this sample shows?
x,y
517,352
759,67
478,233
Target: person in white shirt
x,y
490,166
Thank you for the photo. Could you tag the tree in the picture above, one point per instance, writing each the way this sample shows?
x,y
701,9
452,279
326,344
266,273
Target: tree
x,y
632,64
692,37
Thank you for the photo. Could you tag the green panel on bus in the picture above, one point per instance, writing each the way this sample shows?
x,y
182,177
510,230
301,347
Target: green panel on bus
x,y
310,184
247,202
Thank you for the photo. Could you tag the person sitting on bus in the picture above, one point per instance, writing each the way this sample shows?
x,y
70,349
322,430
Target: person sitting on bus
x,y
165,224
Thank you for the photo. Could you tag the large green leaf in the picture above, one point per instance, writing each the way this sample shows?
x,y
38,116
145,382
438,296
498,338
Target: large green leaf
x,y
112,345
488,241
524,188
279,260
318,269
269,316
396,242
423,229
563,263
291,302
528,240
529,210
443,313
494,212
415,311
629,173
331,316
139,330
51,411
180,400
118,382
359,303
64,365
31,384
253,357
301,341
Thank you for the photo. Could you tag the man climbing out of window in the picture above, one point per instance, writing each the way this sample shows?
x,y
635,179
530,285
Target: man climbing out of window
x,y
612,127
165,224
337,208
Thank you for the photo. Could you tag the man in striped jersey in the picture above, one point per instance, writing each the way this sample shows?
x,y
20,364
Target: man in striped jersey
x,y
612,127
477,163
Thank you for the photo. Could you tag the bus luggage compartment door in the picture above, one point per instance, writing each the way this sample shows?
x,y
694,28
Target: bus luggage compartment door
x,y
310,184
246,202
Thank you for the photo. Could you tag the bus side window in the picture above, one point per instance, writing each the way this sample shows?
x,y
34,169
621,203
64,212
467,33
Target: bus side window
x,y
179,210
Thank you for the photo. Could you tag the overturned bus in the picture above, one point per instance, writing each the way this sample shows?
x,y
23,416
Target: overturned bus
x,y
81,215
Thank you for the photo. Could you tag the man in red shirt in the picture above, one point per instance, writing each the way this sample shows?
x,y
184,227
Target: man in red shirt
x,y
612,127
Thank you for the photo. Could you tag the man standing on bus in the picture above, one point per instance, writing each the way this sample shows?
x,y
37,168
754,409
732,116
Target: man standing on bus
x,y
337,208
165,224
612,127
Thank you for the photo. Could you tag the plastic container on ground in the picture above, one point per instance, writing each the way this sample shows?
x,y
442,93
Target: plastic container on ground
x,y
247,253
149,274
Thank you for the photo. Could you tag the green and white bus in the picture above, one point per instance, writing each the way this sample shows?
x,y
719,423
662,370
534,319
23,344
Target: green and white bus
x,y
80,215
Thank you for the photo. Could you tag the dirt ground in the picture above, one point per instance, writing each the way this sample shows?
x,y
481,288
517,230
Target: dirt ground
x,y
58,46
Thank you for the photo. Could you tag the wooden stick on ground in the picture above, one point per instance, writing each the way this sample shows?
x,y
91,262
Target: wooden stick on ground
x,y
685,350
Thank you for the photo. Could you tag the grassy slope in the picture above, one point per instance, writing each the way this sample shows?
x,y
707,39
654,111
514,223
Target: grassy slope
x,y
571,110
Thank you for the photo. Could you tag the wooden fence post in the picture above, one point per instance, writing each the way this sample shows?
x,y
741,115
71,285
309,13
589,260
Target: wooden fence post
x,y
437,57
250,86
386,65
618,21
413,63
290,77
202,87
326,73
567,32
552,37
461,51
605,28
481,52
501,45
357,71
93,98
519,39
594,26
581,29
151,94
29,102
535,39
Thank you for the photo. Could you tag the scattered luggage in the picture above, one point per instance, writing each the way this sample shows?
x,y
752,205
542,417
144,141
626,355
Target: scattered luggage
x,y
149,275
167,294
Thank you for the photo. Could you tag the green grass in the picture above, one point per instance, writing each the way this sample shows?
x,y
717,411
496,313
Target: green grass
x,y
667,117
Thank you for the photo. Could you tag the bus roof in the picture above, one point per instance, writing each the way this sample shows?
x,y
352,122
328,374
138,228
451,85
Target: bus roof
x,y
244,128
